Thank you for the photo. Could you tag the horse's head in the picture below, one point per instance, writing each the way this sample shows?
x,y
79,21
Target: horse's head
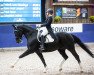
x,y
18,33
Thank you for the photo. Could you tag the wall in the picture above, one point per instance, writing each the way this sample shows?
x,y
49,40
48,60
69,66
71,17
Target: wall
x,y
88,33
7,38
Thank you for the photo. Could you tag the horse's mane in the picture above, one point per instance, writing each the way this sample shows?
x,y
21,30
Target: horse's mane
x,y
28,27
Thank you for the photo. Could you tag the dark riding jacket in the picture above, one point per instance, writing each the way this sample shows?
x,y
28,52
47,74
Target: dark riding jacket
x,y
47,24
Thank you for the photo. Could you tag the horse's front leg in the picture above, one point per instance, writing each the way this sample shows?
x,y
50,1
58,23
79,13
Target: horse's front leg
x,y
42,59
27,52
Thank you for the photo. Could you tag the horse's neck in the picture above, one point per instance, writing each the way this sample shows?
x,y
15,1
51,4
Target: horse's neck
x,y
30,34
27,35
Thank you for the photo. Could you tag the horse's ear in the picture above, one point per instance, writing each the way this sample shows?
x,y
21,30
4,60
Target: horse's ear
x,y
15,27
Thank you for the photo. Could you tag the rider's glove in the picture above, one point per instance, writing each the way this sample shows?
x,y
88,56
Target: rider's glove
x,y
42,25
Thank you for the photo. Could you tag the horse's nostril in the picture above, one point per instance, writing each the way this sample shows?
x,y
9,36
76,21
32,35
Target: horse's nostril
x,y
18,40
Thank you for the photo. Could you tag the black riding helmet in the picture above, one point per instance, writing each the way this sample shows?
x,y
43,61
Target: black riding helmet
x,y
50,11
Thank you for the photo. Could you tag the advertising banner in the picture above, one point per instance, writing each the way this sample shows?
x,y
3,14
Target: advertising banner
x,y
69,28
75,0
65,12
68,12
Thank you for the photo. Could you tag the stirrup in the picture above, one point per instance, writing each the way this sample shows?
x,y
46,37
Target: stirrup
x,y
41,48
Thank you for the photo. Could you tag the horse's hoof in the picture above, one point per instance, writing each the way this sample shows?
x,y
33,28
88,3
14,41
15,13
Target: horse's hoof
x,y
44,72
81,71
12,66
93,56
60,69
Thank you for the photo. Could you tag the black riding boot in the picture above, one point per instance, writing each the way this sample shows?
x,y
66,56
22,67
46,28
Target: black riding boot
x,y
42,43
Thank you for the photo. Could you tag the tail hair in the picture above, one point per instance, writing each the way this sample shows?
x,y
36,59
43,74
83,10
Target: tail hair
x,y
82,45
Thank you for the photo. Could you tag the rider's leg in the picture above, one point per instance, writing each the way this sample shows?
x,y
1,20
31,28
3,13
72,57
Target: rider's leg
x,y
42,43
52,34
43,33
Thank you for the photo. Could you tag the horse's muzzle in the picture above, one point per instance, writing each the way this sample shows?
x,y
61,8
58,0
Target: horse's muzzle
x,y
18,40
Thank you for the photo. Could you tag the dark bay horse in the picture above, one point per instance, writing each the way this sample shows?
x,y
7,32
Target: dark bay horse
x,y
65,41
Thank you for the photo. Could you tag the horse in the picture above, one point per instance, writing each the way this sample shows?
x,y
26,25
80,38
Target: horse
x,y
65,41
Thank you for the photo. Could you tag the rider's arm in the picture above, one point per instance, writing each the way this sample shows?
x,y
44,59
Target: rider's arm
x,y
48,22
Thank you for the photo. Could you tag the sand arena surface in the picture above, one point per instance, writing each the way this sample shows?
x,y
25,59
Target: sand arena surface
x,y
32,65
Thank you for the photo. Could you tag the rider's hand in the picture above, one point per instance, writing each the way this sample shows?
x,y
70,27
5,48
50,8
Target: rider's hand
x,y
42,25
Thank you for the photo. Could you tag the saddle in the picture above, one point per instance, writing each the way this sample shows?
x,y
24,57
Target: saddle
x,y
43,31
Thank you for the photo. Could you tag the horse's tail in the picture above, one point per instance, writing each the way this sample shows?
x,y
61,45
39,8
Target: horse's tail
x,y
82,45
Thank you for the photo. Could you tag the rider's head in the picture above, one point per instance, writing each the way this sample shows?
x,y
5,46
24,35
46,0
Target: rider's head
x,y
49,12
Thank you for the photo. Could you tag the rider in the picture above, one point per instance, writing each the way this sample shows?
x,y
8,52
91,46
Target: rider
x,y
47,24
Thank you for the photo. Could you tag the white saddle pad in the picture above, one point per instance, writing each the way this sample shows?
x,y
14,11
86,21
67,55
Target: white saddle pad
x,y
43,31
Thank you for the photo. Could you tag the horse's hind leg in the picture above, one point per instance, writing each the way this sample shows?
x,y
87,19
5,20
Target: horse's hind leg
x,y
63,54
73,51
